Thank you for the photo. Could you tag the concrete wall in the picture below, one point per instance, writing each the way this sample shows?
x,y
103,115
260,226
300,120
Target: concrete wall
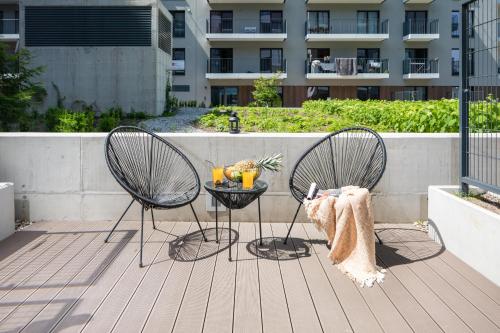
x,y
460,225
7,221
130,77
65,177
246,54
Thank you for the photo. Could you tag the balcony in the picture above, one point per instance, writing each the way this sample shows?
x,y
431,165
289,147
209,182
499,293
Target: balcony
x,y
347,69
222,69
420,30
245,31
417,2
9,30
420,69
347,31
349,2
58,274
260,2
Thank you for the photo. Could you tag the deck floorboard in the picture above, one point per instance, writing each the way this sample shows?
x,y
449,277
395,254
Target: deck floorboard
x,y
62,277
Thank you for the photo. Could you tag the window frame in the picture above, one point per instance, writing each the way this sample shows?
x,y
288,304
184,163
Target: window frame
x,y
455,33
453,72
177,32
369,92
179,72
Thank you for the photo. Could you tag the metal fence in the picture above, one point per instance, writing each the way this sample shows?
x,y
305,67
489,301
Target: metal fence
x,y
480,94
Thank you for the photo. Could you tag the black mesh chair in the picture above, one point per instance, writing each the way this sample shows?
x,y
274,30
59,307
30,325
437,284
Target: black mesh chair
x,y
351,156
154,172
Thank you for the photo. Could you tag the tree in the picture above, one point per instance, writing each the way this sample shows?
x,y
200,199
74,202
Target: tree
x,y
19,88
266,91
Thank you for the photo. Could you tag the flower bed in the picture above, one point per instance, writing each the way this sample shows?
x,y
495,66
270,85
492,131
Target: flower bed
x,y
327,116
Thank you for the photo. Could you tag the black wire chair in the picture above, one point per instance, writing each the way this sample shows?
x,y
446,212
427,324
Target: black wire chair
x,y
351,156
154,172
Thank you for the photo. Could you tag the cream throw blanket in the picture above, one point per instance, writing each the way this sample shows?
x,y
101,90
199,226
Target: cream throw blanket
x,y
348,224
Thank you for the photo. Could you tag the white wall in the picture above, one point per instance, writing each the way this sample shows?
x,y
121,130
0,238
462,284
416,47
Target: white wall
x,y
65,177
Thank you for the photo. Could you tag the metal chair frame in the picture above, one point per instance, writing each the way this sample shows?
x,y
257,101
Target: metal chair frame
x,y
361,180
145,186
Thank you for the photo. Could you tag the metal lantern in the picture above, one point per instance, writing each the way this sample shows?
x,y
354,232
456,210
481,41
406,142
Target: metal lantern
x,y
234,123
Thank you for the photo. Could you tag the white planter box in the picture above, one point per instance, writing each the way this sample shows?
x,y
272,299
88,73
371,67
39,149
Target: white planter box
x,y
7,221
469,231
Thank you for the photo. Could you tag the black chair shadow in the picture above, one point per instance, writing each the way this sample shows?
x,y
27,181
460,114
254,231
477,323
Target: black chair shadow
x,y
187,248
272,248
388,254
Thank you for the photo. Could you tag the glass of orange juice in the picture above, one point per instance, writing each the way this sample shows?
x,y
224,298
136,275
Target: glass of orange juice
x,y
248,177
217,175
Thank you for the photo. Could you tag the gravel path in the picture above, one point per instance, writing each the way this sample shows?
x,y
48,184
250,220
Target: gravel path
x,y
180,122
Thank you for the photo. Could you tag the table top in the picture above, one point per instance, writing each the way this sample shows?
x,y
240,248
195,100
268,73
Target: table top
x,y
259,186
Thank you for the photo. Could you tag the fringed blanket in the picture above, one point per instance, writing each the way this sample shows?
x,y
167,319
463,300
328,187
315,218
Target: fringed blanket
x,y
348,223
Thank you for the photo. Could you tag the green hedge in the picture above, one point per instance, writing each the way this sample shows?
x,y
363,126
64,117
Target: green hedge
x,y
331,115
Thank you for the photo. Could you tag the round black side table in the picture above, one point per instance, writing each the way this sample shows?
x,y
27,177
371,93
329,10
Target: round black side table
x,y
235,197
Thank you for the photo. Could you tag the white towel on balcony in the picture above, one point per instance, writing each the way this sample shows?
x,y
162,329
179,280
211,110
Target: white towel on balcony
x,y
349,225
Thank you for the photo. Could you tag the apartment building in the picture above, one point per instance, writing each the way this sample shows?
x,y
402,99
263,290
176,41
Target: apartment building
x,y
383,49
101,52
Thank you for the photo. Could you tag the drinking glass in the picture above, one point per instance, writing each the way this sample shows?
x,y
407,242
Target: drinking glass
x,y
217,175
248,177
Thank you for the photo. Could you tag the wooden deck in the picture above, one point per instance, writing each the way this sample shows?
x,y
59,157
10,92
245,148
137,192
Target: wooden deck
x,y
62,277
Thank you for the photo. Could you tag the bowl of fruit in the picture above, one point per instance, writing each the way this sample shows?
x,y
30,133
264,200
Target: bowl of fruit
x,y
235,171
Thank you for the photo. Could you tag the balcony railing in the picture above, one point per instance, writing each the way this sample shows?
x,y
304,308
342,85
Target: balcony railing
x,y
359,66
225,65
9,26
420,66
231,26
420,27
343,26
272,66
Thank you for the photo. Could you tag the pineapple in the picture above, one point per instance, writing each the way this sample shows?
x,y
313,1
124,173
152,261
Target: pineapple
x,y
271,163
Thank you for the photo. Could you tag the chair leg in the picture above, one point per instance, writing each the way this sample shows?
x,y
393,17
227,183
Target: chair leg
x,y
153,219
291,226
198,221
121,217
142,236
378,238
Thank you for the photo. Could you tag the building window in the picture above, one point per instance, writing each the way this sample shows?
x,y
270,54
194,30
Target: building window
x,y
365,93
271,60
455,62
271,21
318,93
415,22
225,96
179,54
221,60
179,23
455,19
221,22
368,22
318,22
180,88
412,94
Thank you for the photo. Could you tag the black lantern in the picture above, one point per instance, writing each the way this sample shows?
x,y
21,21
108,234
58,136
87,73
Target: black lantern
x,y
234,123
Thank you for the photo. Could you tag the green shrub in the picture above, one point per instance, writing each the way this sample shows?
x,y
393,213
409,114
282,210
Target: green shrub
x,y
52,117
110,119
331,115
70,121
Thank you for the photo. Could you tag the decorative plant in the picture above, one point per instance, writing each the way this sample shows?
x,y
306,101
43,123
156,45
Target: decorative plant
x,y
19,85
266,91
